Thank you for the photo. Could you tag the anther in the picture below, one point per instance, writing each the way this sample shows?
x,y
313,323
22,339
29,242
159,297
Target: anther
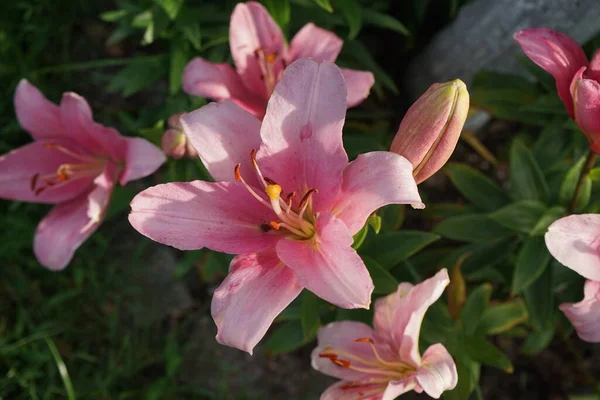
x,y
364,340
290,196
236,173
269,181
253,158
328,355
33,181
306,197
341,363
273,191
274,225
271,58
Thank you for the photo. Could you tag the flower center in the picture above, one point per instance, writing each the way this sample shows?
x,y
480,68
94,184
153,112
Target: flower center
x,y
297,220
66,173
267,63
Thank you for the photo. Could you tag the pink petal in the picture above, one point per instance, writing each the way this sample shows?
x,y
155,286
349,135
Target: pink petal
x,y
69,224
142,158
222,216
327,265
223,135
585,315
593,71
22,171
316,43
396,388
586,100
354,391
358,85
302,131
252,30
557,53
341,336
220,82
398,317
437,372
574,242
37,115
257,289
372,181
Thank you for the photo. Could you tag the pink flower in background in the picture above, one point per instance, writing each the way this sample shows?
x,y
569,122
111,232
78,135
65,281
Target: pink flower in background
x,y
286,200
74,163
385,362
577,80
261,55
174,143
574,241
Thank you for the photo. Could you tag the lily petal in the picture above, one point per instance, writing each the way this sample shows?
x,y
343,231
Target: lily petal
x,y
69,224
316,43
585,315
371,181
593,72
251,29
574,241
437,372
257,289
20,169
557,53
358,84
354,390
223,135
327,265
142,158
396,388
398,316
302,131
37,115
586,101
222,216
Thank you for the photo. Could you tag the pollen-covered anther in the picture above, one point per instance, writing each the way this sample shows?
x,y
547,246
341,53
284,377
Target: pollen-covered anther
x,y
364,340
269,181
271,58
274,225
342,363
253,158
330,356
307,197
236,173
273,191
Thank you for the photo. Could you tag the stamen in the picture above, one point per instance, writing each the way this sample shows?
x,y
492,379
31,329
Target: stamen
x,y
271,58
392,364
292,229
342,363
273,191
269,181
33,181
364,340
236,173
274,225
328,355
238,177
305,201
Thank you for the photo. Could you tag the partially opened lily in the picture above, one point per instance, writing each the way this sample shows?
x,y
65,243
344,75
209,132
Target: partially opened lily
x,y
286,200
385,362
261,55
585,315
74,163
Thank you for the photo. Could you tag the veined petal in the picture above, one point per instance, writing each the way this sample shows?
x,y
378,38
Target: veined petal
x,y
586,102
37,115
585,315
371,181
22,171
344,390
223,135
437,372
69,224
358,85
327,265
252,30
397,388
398,316
142,158
222,216
220,82
316,43
257,289
557,53
302,131
574,242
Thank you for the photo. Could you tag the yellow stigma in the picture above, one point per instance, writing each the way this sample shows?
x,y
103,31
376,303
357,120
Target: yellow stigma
x,y
273,191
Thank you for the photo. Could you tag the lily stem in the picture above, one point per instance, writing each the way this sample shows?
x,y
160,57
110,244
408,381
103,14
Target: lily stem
x,y
589,164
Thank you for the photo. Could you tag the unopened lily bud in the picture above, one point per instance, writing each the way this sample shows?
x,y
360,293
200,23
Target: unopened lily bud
x,y
174,144
430,129
586,104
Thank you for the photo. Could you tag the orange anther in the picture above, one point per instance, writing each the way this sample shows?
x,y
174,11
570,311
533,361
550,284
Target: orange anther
x,y
364,340
341,363
236,173
253,158
271,58
274,225
328,355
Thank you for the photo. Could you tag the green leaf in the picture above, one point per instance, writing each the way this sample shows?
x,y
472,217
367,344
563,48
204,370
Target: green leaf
x,y
353,15
178,60
386,21
594,174
325,5
360,236
138,75
486,353
521,216
311,320
280,10
502,317
477,302
551,215
531,263
475,228
569,183
527,181
119,201
190,27
171,7
374,222
476,187
385,283
286,338
537,341
391,248
539,297
113,16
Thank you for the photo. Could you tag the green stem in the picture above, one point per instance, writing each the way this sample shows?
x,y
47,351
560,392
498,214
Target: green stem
x,y
589,164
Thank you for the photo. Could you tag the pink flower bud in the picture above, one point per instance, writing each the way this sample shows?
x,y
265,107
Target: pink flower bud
x,y
174,144
430,129
586,102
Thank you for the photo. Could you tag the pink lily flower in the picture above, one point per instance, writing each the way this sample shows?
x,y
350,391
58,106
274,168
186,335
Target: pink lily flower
x,y
385,362
74,163
577,80
574,241
286,200
261,55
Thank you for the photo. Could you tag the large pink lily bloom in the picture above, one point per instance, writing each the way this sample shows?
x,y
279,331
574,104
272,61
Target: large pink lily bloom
x,y
575,242
286,200
385,362
261,55
74,163
577,80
